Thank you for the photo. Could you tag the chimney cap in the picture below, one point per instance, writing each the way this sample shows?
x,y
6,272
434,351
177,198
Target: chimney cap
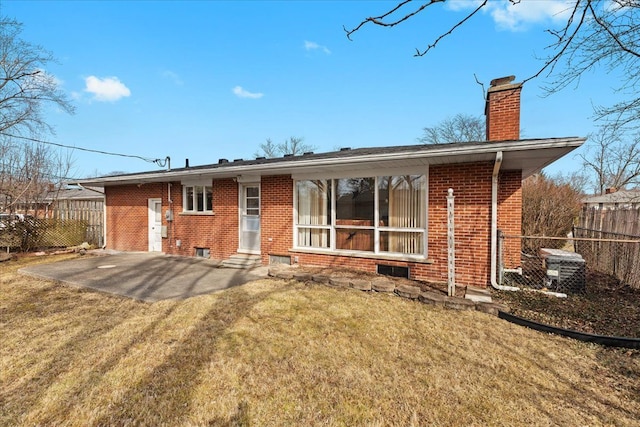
x,y
502,81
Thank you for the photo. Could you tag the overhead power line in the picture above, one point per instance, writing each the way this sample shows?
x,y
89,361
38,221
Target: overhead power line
x,y
160,162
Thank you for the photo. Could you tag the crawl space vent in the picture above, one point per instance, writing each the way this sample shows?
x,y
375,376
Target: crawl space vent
x,y
202,252
279,259
393,270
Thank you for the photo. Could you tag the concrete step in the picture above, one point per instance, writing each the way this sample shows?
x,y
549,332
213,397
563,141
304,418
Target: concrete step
x,y
242,261
477,294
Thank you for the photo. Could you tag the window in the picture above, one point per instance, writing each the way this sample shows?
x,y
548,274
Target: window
x,y
197,198
355,212
314,213
202,253
402,206
385,214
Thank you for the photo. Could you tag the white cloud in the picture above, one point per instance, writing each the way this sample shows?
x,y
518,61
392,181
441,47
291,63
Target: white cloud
x,y
315,46
518,16
168,74
106,89
243,93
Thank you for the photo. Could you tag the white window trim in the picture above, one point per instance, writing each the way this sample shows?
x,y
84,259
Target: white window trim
x,y
376,253
204,202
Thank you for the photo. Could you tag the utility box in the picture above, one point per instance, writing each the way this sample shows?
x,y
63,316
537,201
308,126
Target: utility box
x,y
565,270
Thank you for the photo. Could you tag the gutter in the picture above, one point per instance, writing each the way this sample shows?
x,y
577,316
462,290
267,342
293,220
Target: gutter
x,y
280,166
494,226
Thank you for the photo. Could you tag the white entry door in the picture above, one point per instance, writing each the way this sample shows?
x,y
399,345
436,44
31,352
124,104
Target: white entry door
x,y
155,225
249,218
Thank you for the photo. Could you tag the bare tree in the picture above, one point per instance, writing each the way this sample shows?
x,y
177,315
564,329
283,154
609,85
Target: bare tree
x,y
613,158
28,168
267,149
30,176
25,85
595,33
459,128
294,146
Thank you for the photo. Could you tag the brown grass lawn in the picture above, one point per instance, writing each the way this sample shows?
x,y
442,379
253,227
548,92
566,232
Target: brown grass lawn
x,y
276,352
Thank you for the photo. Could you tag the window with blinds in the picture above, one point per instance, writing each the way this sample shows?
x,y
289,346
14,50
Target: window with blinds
x,y
384,214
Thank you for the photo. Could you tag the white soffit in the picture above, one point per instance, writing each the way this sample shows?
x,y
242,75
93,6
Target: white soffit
x,y
530,156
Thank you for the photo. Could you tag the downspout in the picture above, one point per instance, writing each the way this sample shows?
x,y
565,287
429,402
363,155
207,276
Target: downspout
x,y
494,226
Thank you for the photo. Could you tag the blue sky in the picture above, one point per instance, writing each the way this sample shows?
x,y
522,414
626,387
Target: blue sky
x,y
209,80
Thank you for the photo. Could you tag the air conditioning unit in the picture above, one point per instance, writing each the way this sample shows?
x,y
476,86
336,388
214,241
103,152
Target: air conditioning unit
x,y
565,270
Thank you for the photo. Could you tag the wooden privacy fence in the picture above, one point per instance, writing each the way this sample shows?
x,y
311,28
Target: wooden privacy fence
x,y
614,252
89,211
618,220
33,234
611,253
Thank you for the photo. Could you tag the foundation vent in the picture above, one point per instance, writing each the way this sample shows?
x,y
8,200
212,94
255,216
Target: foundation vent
x,y
393,270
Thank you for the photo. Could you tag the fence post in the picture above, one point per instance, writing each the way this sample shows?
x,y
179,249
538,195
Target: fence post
x,y
451,252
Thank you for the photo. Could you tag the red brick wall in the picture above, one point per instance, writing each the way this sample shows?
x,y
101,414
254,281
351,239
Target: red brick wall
x,y
472,190
276,228
127,218
217,232
503,113
471,185
510,214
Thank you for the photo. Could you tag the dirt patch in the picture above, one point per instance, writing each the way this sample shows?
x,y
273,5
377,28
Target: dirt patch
x,y
606,307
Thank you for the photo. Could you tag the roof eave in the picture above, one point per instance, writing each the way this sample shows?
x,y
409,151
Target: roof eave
x,y
459,153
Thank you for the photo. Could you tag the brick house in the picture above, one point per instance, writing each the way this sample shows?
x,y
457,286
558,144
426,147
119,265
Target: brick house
x,y
364,208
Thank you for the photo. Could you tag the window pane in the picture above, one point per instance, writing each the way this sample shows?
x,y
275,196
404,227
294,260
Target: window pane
x,y
253,191
354,239
254,212
209,198
189,198
402,201
253,203
402,242
200,198
314,237
314,202
157,208
355,201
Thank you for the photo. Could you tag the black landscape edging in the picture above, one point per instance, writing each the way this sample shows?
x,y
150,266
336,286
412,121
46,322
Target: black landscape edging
x,y
625,342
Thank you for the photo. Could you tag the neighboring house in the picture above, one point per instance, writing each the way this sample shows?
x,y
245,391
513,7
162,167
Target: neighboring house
x,y
614,199
356,208
28,203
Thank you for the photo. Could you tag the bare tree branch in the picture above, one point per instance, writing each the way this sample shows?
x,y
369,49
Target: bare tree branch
x,y
28,167
294,146
613,158
379,20
596,33
451,30
459,128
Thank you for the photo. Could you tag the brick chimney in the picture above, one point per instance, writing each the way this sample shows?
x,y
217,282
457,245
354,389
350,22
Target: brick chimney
x,y
502,109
